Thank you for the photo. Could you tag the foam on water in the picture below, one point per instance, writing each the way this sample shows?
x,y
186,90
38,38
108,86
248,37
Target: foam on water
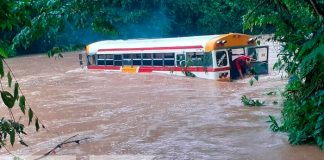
x,y
166,116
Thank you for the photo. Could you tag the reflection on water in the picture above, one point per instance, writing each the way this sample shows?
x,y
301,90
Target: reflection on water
x,y
165,116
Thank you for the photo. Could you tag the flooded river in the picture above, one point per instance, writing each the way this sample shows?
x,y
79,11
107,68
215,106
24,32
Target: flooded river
x,y
162,116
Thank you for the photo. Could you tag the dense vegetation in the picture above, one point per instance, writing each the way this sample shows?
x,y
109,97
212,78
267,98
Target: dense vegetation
x,y
25,22
37,26
41,25
299,26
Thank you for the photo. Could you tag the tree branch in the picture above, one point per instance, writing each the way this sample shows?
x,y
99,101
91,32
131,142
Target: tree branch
x,y
255,8
60,145
315,7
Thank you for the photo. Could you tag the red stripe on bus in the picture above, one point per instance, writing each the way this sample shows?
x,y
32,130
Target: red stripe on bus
x,y
221,69
161,68
151,48
104,67
191,69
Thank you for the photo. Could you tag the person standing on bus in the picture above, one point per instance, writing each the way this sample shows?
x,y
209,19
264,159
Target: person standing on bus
x,y
240,67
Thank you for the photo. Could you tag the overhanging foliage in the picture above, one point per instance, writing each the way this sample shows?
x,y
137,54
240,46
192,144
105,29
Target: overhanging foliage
x,y
299,26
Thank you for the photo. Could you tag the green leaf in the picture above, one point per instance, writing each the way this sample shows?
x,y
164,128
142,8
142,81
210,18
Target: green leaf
x,y
3,53
53,51
253,71
319,122
37,124
8,99
12,135
16,89
251,82
250,102
274,124
49,54
256,77
23,143
30,116
259,103
1,68
271,93
9,79
22,103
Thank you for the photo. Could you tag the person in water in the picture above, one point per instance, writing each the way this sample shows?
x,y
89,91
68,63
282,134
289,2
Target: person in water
x,y
240,67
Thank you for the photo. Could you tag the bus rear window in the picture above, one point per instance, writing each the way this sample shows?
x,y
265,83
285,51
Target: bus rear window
x,y
221,58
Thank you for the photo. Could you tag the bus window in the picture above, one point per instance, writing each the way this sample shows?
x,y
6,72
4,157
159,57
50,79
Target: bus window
x,y
236,52
181,60
118,60
147,59
127,59
137,59
101,59
109,59
169,59
252,53
195,58
258,53
208,60
221,58
157,59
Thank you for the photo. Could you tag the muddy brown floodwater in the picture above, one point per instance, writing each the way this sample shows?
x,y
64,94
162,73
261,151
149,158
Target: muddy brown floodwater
x,y
163,116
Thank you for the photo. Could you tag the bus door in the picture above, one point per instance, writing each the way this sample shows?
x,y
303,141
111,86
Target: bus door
x,y
91,60
234,53
260,54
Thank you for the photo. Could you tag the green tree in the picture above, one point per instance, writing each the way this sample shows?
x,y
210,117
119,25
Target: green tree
x,y
15,19
23,22
299,26
196,17
42,23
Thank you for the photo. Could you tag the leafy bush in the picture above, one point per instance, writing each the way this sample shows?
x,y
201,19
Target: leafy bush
x,y
299,28
250,102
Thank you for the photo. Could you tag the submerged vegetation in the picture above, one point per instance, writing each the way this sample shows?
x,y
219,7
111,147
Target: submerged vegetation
x,y
250,102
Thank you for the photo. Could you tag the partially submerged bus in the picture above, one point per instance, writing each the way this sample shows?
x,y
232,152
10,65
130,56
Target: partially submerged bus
x,y
208,57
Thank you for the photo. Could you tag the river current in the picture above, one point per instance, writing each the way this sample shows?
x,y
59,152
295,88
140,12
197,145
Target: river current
x,y
150,114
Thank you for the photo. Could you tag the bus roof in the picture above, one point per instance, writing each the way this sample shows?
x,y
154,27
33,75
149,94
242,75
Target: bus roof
x,y
205,43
